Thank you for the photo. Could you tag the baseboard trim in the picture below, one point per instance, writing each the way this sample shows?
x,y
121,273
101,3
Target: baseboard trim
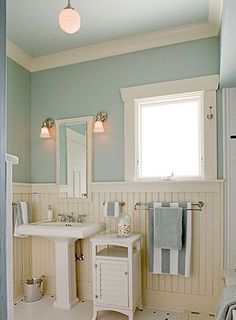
x,y
179,302
154,299
17,290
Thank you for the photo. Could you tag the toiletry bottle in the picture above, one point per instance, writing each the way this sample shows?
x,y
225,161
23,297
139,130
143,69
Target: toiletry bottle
x,y
50,213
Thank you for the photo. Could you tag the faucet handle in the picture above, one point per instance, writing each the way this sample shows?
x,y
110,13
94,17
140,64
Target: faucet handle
x,y
81,217
71,217
62,217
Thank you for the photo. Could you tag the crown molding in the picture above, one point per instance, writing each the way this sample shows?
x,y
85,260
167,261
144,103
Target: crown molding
x,y
18,55
123,45
112,48
215,13
126,45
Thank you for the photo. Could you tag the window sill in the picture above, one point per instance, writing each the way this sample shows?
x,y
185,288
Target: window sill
x,y
177,180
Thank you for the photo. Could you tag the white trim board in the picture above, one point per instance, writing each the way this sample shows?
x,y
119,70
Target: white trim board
x,y
205,83
121,186
22,187
115,47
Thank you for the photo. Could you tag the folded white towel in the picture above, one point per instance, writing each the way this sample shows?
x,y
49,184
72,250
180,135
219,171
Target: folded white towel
x,y
24,211
111,209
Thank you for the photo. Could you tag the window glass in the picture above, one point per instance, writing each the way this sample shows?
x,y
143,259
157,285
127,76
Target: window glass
x,y
169,138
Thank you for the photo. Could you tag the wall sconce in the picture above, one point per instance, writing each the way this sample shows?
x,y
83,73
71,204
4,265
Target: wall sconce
x,y
100,118
47,124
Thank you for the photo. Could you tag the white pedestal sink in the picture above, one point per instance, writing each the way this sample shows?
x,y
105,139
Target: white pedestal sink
x,y
64,236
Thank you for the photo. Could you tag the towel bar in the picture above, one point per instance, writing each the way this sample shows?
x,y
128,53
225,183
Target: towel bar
x,y
200,204
122,204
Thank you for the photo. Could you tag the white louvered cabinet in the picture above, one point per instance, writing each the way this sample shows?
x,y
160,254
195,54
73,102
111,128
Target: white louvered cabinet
x,y
116,274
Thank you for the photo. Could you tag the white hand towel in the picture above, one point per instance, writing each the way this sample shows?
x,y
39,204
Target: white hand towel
x,y
24,210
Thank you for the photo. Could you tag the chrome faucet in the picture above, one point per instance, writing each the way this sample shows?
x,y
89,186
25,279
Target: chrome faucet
x,y
80,218
66,217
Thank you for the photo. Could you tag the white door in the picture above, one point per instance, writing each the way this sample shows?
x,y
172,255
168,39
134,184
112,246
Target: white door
x,y
112,283
76,164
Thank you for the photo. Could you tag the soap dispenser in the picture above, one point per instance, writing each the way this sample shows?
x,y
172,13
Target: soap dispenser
x,y
50,213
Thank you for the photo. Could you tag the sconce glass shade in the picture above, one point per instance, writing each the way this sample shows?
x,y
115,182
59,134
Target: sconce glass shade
x,y
47,124
69,20
44,132
98,127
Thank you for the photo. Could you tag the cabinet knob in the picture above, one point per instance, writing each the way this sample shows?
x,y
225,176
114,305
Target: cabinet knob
x,y
96,265
126,273
96,296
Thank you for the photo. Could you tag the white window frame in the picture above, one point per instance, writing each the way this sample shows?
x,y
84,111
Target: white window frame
x,y
133,95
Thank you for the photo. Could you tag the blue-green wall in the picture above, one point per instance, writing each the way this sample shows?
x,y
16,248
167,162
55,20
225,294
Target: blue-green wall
x,y
228,45
18,119
86,88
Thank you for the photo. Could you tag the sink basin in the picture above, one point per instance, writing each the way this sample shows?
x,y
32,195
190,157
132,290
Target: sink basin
x,y
57,230
64,235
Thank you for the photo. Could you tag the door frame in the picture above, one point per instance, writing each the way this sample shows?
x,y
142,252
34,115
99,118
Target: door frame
x,y
3,281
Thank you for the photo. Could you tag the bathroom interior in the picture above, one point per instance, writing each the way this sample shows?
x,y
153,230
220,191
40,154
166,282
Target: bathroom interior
x,y
148,90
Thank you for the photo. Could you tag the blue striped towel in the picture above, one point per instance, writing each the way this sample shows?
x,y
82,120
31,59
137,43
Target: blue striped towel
x,y
111,209
169,261
226,304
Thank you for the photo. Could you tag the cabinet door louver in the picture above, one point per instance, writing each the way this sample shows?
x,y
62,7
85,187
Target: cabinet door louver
x,y
112,283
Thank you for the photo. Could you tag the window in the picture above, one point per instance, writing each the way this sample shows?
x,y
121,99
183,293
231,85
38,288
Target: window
x,y
169,133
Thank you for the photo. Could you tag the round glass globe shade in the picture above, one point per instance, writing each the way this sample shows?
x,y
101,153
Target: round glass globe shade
x,y
69,20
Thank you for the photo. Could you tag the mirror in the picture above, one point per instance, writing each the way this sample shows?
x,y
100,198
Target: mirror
x,y
74,146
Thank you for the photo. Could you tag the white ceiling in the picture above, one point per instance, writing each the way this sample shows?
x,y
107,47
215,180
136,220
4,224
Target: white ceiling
x,y
33,25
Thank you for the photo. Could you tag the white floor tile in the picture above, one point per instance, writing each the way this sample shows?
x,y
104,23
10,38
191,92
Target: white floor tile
x,y
44,310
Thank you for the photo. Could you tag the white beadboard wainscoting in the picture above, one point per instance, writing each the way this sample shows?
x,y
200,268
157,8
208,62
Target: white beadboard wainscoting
x,y
21,246
199,292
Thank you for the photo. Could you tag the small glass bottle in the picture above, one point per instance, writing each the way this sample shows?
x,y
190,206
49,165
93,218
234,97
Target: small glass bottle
x,y
124,225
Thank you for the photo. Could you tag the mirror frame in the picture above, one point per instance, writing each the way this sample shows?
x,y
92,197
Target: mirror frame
x,y
89,120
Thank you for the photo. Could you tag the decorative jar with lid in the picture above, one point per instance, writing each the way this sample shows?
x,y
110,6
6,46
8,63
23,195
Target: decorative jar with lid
x,y
124,225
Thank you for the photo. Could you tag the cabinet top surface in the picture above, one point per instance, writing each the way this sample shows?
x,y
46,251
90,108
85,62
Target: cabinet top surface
x,y
112,238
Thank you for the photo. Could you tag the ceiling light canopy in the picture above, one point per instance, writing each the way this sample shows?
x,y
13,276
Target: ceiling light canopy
x,y
69,19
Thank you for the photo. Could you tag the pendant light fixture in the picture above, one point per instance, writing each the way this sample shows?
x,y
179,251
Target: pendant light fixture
x,y
69,19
